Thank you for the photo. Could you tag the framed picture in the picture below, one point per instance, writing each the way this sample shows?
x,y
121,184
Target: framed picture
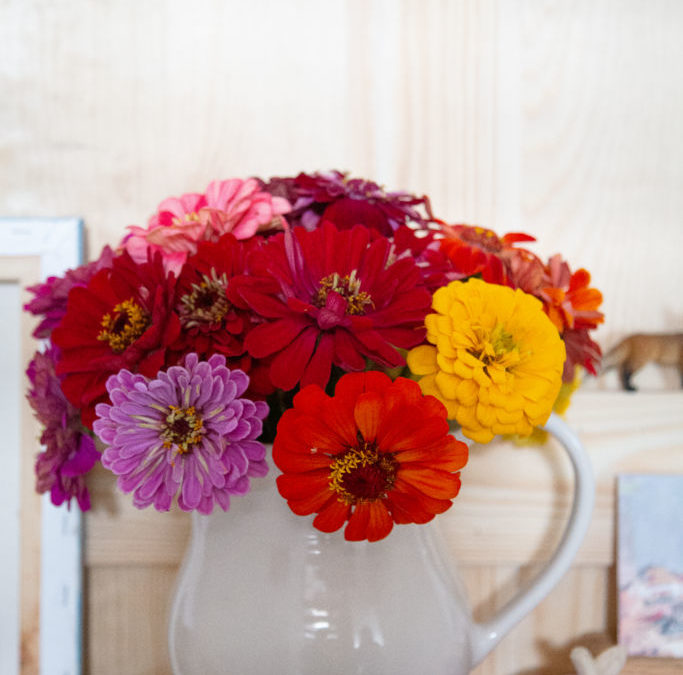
x,y
41,566
650,565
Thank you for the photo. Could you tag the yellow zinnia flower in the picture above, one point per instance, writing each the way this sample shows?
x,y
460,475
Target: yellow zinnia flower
x,y
495,359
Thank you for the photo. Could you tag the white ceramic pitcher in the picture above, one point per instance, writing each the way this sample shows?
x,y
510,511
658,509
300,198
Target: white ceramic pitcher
x,y
261,592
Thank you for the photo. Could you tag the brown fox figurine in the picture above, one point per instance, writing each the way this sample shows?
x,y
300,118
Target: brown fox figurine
x,y
635,351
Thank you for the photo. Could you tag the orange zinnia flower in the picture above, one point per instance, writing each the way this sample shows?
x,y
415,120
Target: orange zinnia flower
x,y
568,299
478,250
377,453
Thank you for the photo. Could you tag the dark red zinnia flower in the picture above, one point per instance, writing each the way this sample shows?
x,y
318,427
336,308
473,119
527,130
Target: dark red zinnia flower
x,y
123,318
346,202
210,319
582,350
436,268
377,453
331,297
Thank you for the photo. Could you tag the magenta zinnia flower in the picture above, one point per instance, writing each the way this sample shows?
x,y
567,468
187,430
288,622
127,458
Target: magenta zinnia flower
x,y
328,297
346,202
69,452
186,433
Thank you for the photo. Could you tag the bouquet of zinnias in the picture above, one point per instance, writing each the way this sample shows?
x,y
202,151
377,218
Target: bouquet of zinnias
x,y
343,323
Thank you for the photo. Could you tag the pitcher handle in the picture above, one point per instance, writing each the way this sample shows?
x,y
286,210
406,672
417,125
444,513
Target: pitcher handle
x,y
486,635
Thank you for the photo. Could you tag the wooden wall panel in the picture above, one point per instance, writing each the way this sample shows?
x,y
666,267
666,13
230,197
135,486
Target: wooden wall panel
x,y
564,120
125,619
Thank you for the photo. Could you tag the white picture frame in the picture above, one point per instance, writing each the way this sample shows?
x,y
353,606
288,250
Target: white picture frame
x,y
51,569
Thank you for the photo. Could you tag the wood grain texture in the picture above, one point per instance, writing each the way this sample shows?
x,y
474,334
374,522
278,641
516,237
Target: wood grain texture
x,y
564,120
25,270
125,620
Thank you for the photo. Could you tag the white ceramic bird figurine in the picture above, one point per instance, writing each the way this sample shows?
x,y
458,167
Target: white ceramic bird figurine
x,y
610,662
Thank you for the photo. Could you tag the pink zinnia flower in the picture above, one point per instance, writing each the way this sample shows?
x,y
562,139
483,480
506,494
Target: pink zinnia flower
x,y
346,202
236,206
69,452
242,208
328,297
186,433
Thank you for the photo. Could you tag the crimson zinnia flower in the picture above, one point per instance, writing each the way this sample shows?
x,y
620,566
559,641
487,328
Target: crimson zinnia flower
x,y
122,319
211,321
346,202
436,268
214,319
331,297
377,453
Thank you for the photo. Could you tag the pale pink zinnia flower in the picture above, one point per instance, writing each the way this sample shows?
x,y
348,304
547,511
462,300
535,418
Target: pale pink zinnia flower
x,y
186,433
237,206
242,208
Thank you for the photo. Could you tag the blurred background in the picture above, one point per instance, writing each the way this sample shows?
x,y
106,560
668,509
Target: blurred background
x,y
561,119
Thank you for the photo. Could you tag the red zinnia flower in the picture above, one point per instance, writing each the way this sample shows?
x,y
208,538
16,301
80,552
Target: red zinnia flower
x,y
51,295
478,250
211,322
122,319
346,202
377,453
212,317
331,297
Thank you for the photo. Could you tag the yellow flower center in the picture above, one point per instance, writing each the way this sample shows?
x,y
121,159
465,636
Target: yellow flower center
x,y
124,325
184,429
495,347
358,302
192,217
206,303
483,238
362,474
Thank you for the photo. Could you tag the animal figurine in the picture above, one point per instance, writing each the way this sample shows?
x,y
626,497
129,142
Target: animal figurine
x,y
636,351
610,662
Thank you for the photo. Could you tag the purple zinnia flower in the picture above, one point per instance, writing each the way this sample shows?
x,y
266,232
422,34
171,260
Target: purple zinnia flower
x,y
51,295
69,452
346,202
185,433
